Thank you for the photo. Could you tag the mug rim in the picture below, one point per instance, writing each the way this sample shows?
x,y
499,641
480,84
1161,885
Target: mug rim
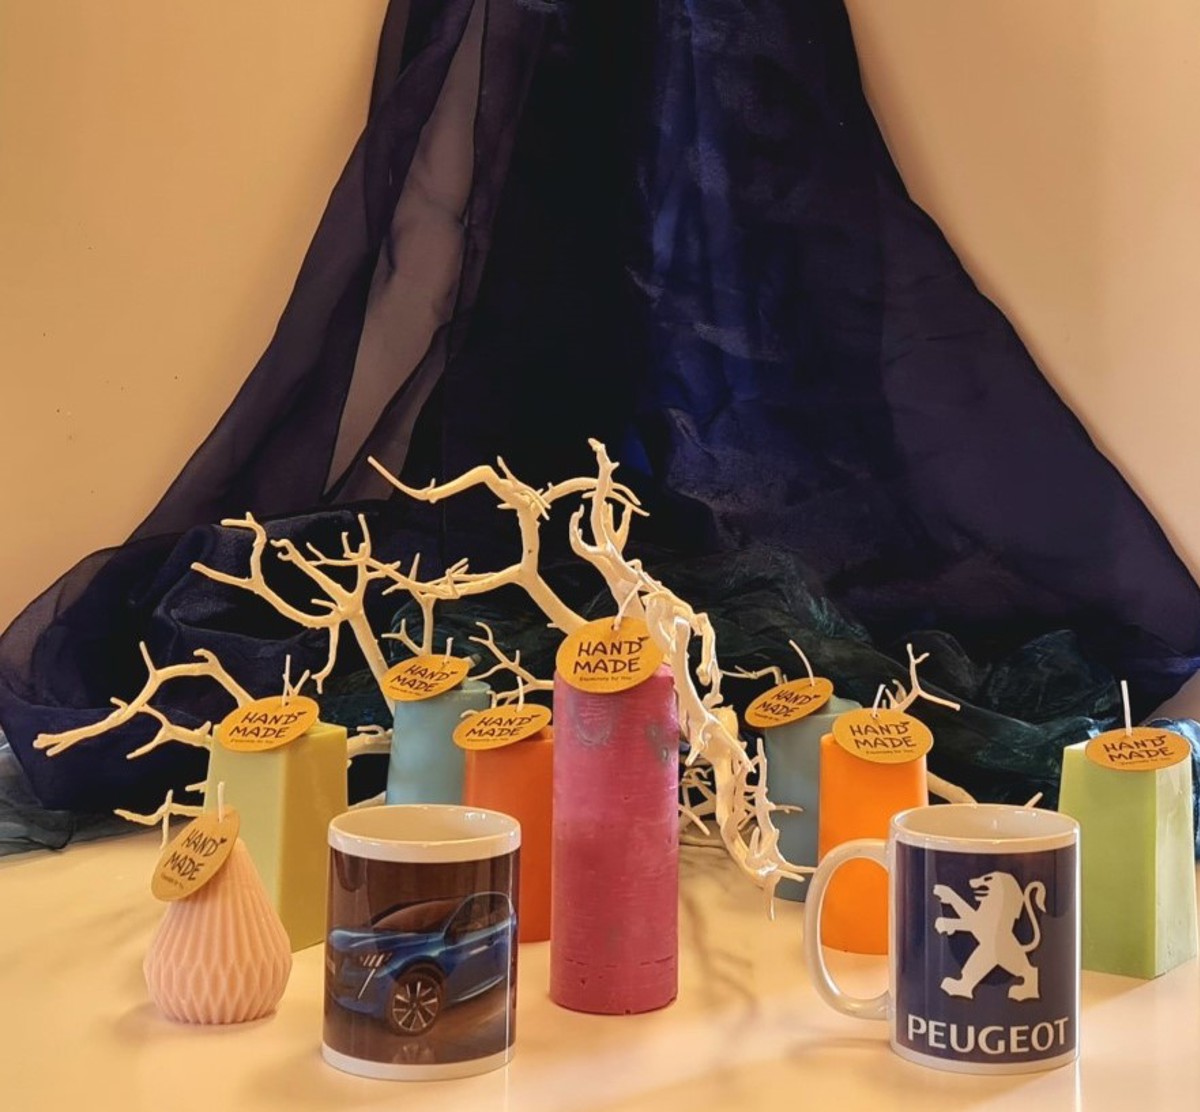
x,y
391,832
1059,829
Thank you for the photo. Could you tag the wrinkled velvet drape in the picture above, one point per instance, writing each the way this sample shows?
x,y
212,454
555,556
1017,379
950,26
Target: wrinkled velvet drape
x,y
674,227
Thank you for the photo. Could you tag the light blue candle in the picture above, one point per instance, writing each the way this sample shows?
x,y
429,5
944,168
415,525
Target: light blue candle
x,y
425,765
793,777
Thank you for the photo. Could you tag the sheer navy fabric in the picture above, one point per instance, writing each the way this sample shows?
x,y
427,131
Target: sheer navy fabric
x,y
676,228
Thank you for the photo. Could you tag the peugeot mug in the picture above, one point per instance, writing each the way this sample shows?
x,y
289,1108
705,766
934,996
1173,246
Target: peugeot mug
x,y
983,952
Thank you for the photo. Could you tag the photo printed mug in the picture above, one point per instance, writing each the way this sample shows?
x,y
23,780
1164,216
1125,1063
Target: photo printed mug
x,y
421,942
983,950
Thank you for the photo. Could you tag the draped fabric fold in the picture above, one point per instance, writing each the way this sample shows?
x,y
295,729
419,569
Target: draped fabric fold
x,y
674,227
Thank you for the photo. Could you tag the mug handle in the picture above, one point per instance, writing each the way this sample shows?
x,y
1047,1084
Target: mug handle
x,y
875,1007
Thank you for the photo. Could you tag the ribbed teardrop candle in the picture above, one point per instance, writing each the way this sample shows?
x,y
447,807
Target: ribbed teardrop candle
x,y
615,891
220,955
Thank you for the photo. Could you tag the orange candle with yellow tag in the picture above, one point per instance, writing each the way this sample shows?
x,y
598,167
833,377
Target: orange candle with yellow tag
x,y
859,794
518,779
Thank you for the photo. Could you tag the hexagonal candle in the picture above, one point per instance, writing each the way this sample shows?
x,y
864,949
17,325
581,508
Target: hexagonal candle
x,y
287,797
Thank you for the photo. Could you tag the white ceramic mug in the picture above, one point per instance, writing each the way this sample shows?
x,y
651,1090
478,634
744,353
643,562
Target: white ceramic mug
x,y
983,950
421,942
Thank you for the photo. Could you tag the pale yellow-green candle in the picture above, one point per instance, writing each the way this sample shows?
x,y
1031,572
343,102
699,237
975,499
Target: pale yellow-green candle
x,y
286,798
1137,864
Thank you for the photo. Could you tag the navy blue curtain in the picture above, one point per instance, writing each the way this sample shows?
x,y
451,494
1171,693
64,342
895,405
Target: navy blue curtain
x,y
674,227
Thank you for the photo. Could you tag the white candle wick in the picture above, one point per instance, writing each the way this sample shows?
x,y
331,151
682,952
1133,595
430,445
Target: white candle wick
x,y
807,666
624,606
166,830
449,646
287,680
878,697
1128,713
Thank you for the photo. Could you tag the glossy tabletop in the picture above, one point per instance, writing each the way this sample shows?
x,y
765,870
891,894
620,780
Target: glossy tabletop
x,y
747,1032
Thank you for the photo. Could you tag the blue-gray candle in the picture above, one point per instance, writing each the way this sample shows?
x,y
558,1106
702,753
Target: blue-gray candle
x,y
793,777
425,765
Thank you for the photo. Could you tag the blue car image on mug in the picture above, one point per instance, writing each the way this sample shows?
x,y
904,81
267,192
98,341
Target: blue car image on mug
x,y
421,945
415,961
983,949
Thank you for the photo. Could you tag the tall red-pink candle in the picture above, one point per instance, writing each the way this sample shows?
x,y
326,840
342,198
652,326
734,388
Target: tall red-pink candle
x,y
614,931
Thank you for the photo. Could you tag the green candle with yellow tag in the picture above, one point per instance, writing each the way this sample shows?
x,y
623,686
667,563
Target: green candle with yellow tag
x,y
285,772
1131,792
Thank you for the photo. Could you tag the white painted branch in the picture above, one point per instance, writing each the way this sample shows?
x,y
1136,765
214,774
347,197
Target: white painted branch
x,y
342,604
531,506
206,665
202,738
169,808
505,663
774,671
902,700
369,739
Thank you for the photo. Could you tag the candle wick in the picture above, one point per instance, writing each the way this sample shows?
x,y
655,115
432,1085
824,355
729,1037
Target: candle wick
x,y
166,830
449,645
878,697
287,680
812,680
1128,713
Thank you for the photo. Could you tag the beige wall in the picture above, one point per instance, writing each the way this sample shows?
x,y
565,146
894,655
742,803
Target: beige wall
x,y
162,166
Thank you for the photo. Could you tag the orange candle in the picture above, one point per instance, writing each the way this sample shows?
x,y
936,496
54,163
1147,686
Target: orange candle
x,y
518,780
857,800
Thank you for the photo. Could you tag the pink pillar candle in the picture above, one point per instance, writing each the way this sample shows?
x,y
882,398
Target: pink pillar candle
x,y
615,894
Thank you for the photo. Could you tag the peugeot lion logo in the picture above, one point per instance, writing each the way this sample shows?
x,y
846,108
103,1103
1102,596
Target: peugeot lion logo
x,y
1001,903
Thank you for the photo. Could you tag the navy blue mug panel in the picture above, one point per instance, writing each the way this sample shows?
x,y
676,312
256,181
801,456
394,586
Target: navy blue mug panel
x,y
986,954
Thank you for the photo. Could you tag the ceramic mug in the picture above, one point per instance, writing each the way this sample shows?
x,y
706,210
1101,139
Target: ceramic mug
x,y
983,951
421,942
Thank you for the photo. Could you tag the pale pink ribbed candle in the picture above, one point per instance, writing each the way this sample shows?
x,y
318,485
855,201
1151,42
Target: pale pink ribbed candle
x,y
614,918
221,955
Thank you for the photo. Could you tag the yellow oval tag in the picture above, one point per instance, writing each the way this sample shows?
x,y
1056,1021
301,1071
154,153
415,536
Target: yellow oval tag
x,y
267,723
1144,749
789,702
882,736
603,660
195,855
423,677
491,729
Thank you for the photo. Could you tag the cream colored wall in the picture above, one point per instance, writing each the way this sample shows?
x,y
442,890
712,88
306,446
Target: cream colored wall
x,y
1057,142
162,166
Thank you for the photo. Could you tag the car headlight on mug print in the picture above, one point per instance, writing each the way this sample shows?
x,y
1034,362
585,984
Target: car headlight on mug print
x,y
413,962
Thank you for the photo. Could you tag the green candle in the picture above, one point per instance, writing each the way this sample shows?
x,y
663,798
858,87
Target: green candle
x,y
286,798
1138,872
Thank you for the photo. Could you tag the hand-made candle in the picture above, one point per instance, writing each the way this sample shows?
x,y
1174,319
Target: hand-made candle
x,y
872,767
285,772
431,693
794,762
220,954
517,778
615,862
1132,797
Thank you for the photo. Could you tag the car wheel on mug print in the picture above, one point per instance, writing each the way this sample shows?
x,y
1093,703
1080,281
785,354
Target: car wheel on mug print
x,y
416,1001
421,949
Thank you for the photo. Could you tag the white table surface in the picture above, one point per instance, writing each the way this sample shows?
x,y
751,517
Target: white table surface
x,y
77,1030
